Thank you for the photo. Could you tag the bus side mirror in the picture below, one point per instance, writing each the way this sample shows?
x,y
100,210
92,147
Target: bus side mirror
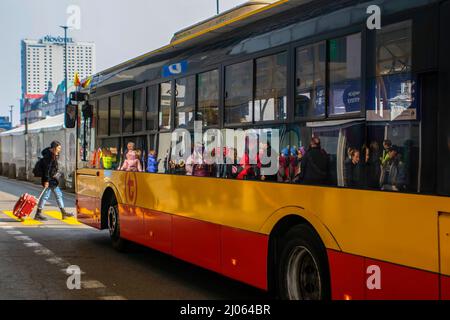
x,y
71,115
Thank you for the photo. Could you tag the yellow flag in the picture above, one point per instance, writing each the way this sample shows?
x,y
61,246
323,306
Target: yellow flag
x,y
76,81
86,82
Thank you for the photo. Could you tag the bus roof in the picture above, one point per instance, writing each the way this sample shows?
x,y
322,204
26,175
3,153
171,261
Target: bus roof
x,y
225,22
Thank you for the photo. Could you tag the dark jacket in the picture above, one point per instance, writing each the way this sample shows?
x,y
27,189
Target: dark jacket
x,y
373,171
49,168
315,167
393,174
355,175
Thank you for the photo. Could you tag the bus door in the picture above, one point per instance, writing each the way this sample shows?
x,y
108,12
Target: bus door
x,y
88,173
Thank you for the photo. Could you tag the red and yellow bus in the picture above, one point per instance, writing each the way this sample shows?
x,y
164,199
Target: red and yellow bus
x,y
376,227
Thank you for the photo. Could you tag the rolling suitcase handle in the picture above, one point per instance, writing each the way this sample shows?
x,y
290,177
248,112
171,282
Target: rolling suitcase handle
x,y
41,195
32,216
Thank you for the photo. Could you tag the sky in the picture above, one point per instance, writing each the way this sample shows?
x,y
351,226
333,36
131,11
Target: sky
x,y
121,30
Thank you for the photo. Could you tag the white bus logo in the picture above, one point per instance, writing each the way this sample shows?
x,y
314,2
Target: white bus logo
x,y
175,68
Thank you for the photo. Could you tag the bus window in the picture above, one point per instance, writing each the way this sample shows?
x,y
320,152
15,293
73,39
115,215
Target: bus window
x,y
139,145
138,111
310,78
165,105
315,162
110,153
185,102
345,75
152,108
115,106
394,145
102,119
208,98
394,84
239,93
127,113
271,82
395,148
151,165
164,152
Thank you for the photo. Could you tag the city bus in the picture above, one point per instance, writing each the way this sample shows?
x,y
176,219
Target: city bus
x,y
354,97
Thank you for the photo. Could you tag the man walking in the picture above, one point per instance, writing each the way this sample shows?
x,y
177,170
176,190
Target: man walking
x,y
50,176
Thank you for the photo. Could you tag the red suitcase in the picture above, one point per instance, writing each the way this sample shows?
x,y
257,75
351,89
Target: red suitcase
x,y
25,205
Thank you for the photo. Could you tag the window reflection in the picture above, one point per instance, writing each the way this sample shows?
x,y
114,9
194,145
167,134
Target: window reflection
x,y
394,84
127,117
345,75
164,152
271,81
139,112
152,108
102,122
208,98
115,106
311,79
239,93
165,105
185,102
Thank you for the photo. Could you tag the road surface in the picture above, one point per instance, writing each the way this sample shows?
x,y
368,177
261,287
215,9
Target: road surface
x,y
35,258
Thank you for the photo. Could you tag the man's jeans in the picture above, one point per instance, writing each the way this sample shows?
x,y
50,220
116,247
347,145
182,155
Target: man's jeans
x,y
58,195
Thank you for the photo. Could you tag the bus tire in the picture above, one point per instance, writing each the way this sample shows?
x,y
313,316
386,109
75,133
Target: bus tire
x,y
303,266
114,226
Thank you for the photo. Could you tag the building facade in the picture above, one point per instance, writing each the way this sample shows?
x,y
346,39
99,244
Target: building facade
x,y
43,64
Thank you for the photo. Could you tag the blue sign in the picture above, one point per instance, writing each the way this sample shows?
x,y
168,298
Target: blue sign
x,y
58,40
352,98
175,69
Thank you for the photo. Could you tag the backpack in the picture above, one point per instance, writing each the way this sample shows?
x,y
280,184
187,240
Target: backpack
x,y
38,171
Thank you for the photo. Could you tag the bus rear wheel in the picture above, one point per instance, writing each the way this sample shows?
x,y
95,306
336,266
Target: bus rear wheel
x,y
114,226
302,271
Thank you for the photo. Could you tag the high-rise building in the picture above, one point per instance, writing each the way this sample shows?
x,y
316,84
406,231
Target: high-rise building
x,y
43,63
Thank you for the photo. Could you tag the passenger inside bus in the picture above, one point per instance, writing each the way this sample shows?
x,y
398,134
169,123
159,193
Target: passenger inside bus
x,y
372,165
354,169
132,162
315,165
152,162
393,172
108,159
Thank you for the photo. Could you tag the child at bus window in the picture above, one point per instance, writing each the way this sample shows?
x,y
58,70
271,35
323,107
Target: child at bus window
x,y
132,162
131,146
152,162
106,159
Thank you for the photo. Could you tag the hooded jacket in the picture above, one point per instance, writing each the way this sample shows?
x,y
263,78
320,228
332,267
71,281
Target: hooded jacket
x,y
49,168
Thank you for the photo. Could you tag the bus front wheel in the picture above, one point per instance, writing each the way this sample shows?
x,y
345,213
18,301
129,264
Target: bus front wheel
x,y
302,271
114,226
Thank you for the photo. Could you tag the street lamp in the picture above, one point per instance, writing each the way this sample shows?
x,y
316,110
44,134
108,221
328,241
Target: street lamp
x,y
218,8
11,114
65,61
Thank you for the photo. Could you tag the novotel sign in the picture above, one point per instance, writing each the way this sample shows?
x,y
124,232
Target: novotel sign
x,y
57,40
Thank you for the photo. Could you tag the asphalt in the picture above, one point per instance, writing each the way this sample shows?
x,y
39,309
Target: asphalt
x,y
34,259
